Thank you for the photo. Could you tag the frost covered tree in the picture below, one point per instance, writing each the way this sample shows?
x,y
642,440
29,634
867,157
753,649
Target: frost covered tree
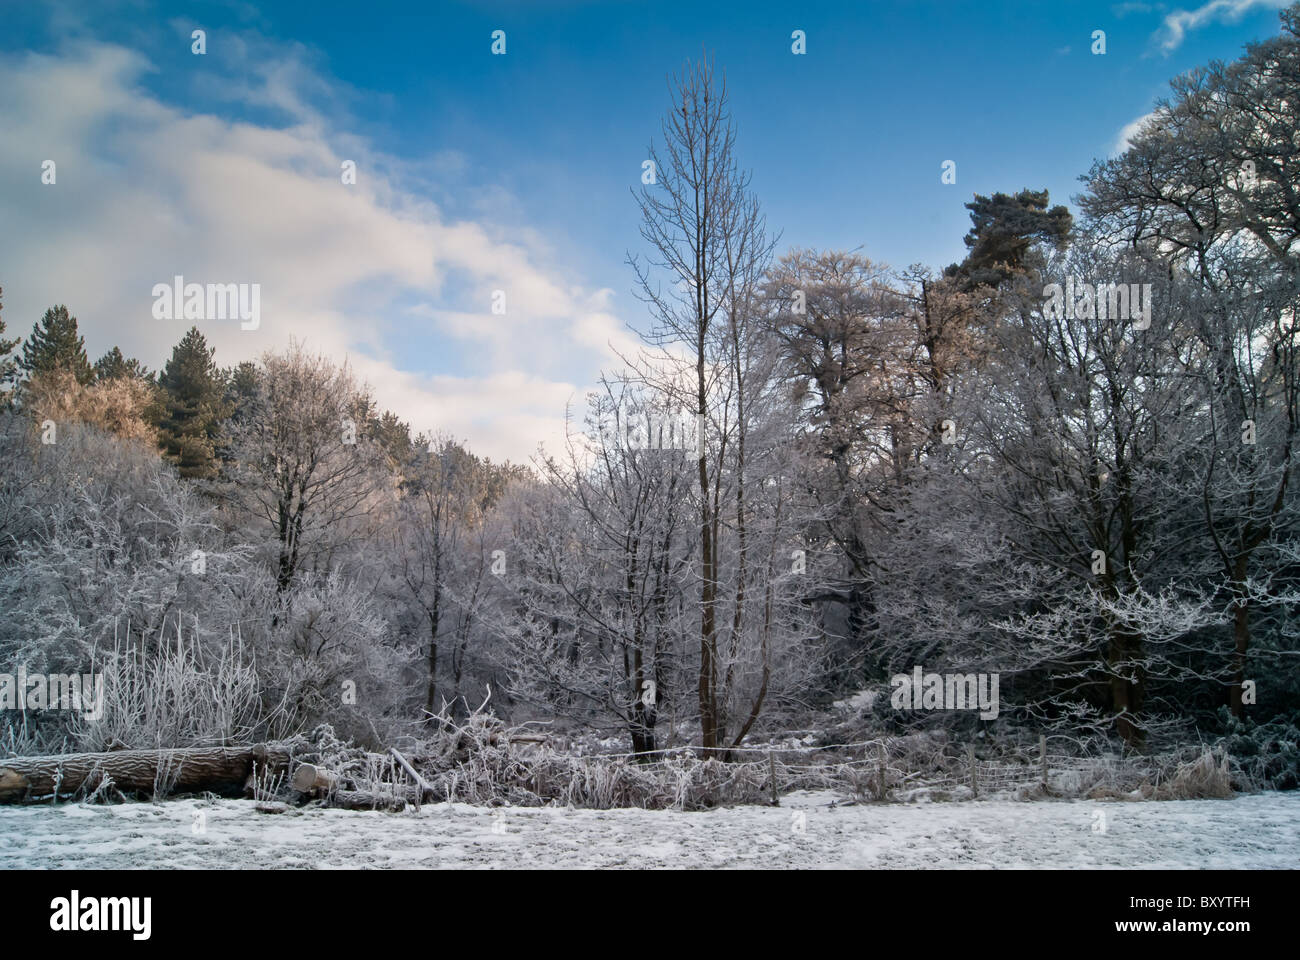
x,y
840,328
602,577
123,406
708,245
117,556
1207,192
437,555
303,467
1083,411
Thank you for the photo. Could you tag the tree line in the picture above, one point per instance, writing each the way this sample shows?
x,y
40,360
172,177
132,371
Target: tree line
x,y
1067,460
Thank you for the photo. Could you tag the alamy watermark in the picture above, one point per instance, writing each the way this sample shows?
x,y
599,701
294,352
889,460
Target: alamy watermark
x,y
179,300
653,430
1102,301
946,691
55,691
76,913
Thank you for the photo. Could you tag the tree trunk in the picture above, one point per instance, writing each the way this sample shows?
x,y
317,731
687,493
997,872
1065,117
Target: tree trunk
x,y
1240,635
642,730
220,769
1125,694
431,698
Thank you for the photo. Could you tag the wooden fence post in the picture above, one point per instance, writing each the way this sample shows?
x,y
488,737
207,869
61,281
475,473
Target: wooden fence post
x,y
1042,756
880,793
974,778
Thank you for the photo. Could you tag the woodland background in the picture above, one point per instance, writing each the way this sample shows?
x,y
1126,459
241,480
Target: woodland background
x,y
897,467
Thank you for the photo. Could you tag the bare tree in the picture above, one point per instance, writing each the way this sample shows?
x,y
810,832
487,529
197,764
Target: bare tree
x,y
603,569
709,246
447,492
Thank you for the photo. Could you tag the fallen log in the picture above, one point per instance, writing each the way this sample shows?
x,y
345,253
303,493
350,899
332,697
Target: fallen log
x,y
219,769
338,791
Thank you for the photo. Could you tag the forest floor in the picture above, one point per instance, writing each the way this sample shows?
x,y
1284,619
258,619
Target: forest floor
x,y
809,830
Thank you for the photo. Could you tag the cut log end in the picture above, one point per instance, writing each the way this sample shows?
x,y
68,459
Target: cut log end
x,y
12,783
309,778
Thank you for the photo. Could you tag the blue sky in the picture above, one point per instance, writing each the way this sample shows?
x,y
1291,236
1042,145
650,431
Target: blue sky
x,y
479,172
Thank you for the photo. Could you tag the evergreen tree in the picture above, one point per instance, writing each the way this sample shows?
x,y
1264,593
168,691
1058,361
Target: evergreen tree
x,y
194,406
393,435
1003,228
8,365
56,345
114,366
243,387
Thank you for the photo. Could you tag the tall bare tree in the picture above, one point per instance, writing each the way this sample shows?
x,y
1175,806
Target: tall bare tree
x,y
707,238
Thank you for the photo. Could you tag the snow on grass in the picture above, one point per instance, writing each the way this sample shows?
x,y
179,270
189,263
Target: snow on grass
x,y
1247,832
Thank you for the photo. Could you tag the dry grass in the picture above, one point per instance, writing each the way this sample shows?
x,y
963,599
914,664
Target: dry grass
x,y
481,761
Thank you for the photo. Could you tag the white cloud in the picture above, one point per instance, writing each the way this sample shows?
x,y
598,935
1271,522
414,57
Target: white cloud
x,y
1176,24
1127,133
146,190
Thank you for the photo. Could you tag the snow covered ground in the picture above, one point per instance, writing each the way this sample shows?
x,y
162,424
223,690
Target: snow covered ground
x,y
808,831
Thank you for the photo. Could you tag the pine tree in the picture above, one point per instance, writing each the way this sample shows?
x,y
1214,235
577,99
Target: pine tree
x,y
8,365
243,389
194,407
1003,230
114,366
56,345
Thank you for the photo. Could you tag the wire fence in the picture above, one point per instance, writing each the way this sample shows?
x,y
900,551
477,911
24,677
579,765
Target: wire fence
x,y
896,768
